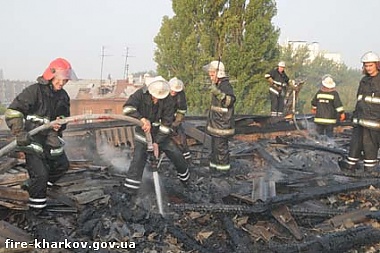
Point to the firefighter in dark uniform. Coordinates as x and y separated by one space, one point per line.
221 122
326 105
150 104
179 108
366 117
278 82
37 104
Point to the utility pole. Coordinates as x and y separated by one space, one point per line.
126 65
101 66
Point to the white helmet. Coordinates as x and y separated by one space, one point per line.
216 66
159 88
328 82
370 57
176 84
281 64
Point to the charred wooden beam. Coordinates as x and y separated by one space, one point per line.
340 241
337 151
355 216
284 217
188 242
238 239
197 134
286 199
307 212
319 192
220 208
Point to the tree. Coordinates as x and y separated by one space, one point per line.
238 32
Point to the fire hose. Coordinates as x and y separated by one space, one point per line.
80 118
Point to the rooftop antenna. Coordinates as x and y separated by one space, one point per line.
126 65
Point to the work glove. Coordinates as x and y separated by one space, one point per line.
313 110
342 116
216 92
23 138
176 124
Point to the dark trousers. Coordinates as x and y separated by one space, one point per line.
371 138
140 155
42 170
356 143
277 104
220 155
181 140
327 130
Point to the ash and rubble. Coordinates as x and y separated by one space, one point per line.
284 193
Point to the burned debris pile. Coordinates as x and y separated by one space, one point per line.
284 193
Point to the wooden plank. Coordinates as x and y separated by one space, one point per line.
7 230
89 196
9 163
285 218
197 134
15 205
11 179
10 193
356 216
58 195
91 185
116 137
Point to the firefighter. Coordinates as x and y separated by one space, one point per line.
179 107
37 104
278 82
151 106
326 105
366 117
221 122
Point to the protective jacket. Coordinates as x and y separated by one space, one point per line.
328 105
367 113
46 160
280 82
277 90
178 106
367 116
140 105
221 123
221 120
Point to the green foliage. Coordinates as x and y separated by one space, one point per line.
241 34
237 32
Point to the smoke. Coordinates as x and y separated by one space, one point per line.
117 158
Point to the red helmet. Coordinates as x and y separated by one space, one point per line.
59 68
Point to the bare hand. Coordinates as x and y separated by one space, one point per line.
156 150
56 126
146 125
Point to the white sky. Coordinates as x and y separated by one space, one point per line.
34 32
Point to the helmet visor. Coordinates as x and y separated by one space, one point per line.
68 74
